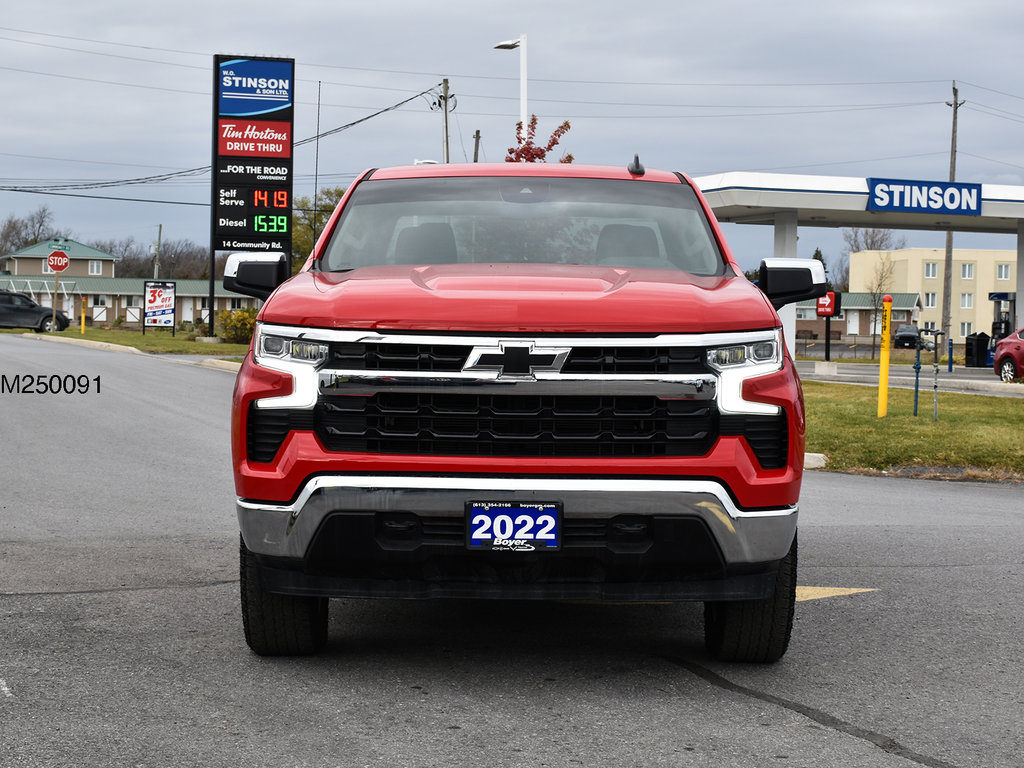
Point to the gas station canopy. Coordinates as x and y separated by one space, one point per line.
788 201
841 201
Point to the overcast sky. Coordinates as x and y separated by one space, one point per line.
112 90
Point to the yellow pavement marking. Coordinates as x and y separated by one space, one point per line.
818 593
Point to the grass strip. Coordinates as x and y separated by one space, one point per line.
156 340
979 435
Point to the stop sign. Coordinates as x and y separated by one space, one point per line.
58 261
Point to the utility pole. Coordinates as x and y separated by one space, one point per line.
476 146
446 102
947 278
156 253
444 96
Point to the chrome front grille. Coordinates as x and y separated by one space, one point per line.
434 358
511 396
516 425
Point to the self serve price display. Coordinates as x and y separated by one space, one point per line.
252 147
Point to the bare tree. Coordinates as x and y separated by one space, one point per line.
858 239
12 235
21 232
878 287
182 258
39 225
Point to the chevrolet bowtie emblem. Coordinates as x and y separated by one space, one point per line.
517 360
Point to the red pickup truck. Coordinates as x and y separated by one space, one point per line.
520 381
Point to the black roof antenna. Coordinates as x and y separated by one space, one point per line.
635 168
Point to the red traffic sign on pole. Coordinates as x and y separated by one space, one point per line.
58 261
827 304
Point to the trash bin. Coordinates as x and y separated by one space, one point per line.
976 350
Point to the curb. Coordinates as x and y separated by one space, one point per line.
85 343
815 461
220 365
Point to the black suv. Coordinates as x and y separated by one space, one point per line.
19 311
910 336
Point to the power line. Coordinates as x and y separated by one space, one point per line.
100 53
75 160
874 83
145 86
829 110
993 90
176 175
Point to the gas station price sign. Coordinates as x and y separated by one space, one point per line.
252 149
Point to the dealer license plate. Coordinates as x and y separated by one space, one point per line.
512 526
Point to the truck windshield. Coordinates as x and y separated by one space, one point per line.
606 222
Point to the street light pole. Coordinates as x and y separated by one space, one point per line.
510 45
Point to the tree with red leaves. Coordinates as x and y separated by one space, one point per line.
528 151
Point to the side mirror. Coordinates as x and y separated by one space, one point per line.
256 274
785 281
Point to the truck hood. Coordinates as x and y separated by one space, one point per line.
527 298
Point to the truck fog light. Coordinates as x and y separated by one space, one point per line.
308 351
726 356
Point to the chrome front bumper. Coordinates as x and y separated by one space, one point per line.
286 530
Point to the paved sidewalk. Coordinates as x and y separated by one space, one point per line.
965 380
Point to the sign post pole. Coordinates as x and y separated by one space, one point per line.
883 371
827 306
57 261
53 302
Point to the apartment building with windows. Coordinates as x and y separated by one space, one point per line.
976 274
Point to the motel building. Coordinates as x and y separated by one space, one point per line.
108 299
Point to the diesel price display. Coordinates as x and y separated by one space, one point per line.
244 212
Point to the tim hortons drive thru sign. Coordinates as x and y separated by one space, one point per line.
828 305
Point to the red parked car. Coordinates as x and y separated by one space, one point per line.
1009 356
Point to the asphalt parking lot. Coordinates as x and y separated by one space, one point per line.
121 644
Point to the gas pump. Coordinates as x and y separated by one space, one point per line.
1004 310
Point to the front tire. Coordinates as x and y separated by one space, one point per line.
1007 370
754 630
279 625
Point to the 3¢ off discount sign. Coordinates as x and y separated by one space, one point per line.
159 304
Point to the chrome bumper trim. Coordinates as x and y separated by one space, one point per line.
743 536
514 484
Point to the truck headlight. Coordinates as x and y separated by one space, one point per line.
294 350
735 363
758 353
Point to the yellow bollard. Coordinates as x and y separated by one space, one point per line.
883 370
83 316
